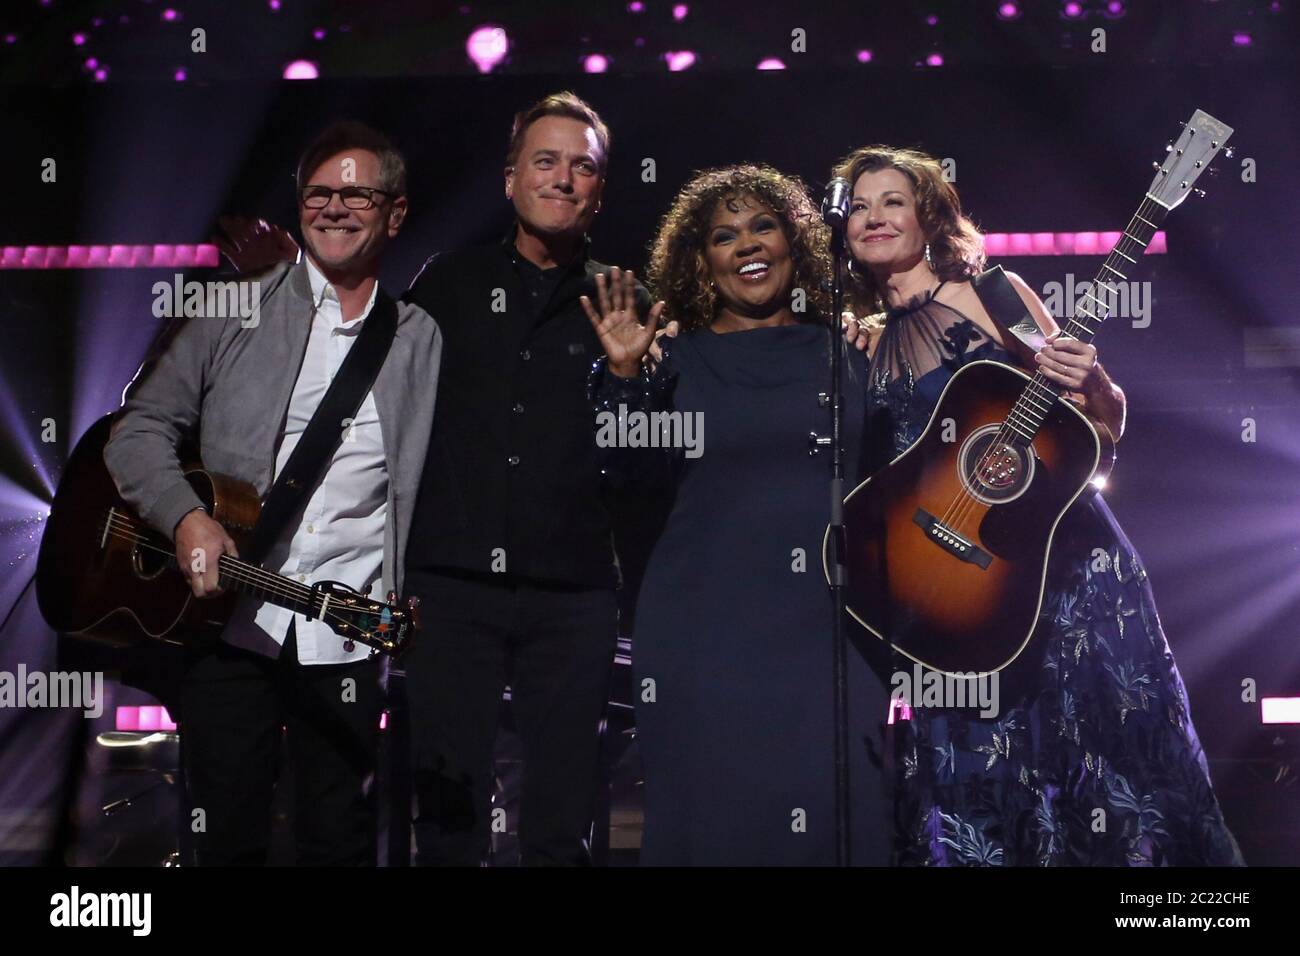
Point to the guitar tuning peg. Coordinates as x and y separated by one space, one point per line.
1199 192
1154 164
1169 147
1228 151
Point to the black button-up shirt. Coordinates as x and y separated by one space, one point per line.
512 481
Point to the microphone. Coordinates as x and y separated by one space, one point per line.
835 205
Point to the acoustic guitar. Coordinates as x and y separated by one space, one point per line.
103 574
946 548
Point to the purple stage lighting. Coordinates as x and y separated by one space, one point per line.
1242 38
865 56
932 20
169 15
1072 10
595 63
679 11
91 63
301 70
636 6
679 60
273 4
11 38
1009 11
318 33
934 59
180 75
78 39
487 46
771 63
101 74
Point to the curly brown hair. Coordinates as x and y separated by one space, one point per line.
956 245
678 271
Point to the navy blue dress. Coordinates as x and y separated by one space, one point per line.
1094 760
732 650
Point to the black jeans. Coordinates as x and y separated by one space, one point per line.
555 647
236 708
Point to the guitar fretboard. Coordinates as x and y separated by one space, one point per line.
269 586
1031 408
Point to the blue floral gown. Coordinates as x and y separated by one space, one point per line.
1093 759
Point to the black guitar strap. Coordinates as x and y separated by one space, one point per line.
325 431
1006 308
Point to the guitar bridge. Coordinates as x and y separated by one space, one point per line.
951 541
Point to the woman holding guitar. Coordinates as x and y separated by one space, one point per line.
1093 726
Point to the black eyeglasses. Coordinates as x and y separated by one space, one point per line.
354 197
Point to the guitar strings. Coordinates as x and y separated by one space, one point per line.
964 503
959 510
236 576
278 585
122 528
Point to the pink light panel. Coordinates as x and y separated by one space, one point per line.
1279 710
148 718
156 256
1061 243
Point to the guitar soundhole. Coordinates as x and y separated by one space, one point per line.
995 468
149 559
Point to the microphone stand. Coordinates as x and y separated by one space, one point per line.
835 557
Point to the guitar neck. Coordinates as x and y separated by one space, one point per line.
1123 259
1031 409
275 588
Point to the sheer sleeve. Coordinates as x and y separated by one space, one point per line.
615 399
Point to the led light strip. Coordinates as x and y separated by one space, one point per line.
205 255
156 256
1279 710
998 244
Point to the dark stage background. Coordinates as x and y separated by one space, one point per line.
1064 147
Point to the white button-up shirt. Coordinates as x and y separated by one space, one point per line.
341 535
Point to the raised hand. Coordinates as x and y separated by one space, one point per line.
625 340
253 245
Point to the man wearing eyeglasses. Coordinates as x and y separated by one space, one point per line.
248 394
511 546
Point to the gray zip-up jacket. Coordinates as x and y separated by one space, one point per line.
230 386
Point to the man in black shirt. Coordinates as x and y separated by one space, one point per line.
510 547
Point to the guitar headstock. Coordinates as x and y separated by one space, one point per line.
387 627
1202 138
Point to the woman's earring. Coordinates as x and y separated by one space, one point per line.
928 261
